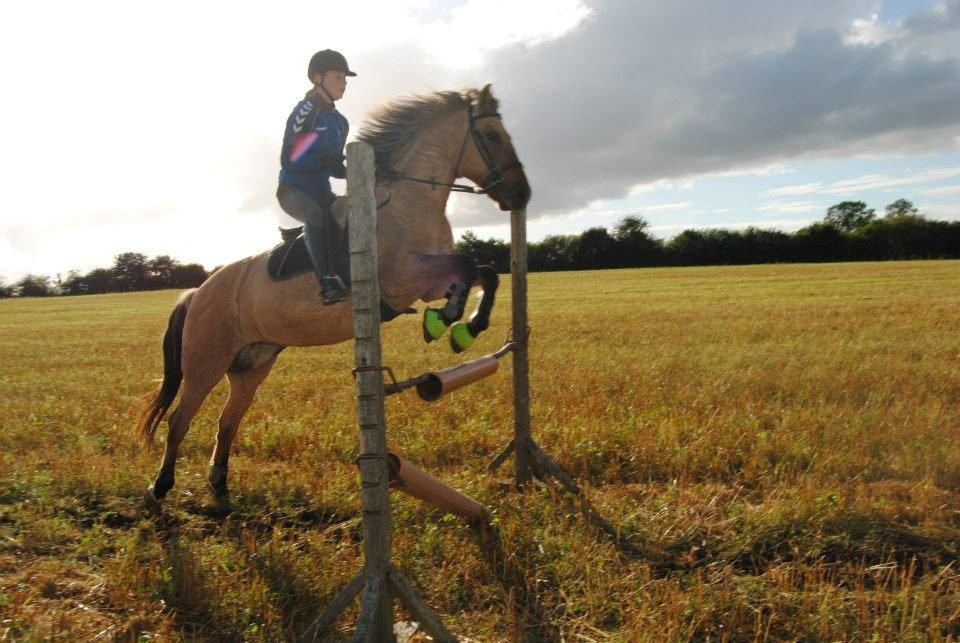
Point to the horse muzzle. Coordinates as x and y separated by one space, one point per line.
514 198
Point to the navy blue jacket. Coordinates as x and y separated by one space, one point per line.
313 147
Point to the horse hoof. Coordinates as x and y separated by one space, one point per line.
434 326
460 337
221 507
151 502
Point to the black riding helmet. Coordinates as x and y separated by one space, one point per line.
327 60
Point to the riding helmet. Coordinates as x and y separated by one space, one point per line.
327 60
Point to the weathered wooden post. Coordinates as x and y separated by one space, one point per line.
378 580
376 612
521 369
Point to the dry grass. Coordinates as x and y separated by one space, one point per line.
780 444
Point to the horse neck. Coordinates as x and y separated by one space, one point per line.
433 155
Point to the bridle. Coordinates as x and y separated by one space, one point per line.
495 176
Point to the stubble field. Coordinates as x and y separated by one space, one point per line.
777 446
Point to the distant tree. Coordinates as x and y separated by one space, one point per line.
820 242
689 248
491 252
99 280
769 246
5 290
189 275
900 208
849 215
596 249
34 286
556 252
74 284
159 271
634 246
130 271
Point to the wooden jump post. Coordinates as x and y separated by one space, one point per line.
378 580
529 459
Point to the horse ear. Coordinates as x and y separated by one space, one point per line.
486 101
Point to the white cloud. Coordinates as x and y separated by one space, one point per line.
479 26
947 211
879 181
949 190
664 207
870 31
794 190
790 207
662 184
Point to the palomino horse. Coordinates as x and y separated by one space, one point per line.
239 320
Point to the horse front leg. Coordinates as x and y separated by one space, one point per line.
462 335
453 275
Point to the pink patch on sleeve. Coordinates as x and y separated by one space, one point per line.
301 144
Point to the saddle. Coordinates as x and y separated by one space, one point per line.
290 258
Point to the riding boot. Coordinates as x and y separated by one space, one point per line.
332 288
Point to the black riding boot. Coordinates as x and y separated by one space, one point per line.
332 288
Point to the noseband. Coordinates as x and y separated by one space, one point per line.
495 175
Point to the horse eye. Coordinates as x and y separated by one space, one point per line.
492 136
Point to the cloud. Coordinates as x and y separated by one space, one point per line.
946 211
948 190
791 207
794 190
879 181
622 100
664 207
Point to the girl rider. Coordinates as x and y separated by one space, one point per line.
313 152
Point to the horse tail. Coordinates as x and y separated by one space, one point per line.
158 402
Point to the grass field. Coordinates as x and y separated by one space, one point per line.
779 445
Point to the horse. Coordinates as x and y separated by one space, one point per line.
239 320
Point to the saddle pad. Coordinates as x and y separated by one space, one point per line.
289 259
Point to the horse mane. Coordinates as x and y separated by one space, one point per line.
395 123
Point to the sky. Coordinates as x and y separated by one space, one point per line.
156 127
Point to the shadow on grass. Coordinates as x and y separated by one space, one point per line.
183 587
521 596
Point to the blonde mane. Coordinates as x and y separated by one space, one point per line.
395 123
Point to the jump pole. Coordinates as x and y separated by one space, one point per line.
379 580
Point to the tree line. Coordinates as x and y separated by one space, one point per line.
850 231
130 271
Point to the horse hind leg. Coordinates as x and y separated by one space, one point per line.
460 273
249 369
194 392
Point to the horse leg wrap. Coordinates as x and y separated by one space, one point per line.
218 480
461 337
437 320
